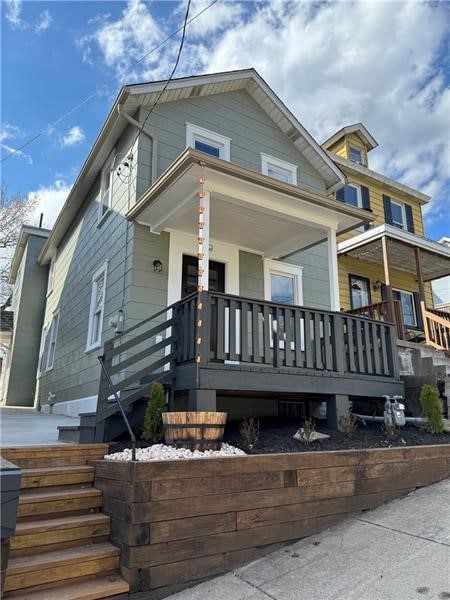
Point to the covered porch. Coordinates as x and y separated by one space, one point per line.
425 260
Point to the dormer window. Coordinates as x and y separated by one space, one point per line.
207 141
356 155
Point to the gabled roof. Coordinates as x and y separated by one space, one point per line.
359 130
131 97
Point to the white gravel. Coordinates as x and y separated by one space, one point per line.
163 452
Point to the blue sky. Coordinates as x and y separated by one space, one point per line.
383 63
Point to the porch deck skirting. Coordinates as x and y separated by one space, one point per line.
177 522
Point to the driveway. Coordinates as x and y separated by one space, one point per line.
28 427
400 551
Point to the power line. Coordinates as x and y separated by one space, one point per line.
108 83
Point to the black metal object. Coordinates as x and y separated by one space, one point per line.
101 359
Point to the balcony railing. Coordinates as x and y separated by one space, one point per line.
379 311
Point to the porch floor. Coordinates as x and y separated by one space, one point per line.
29 427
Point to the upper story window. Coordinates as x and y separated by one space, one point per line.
278 169
352 195
51 276
356 155
106 185
398 214
207 141
97 308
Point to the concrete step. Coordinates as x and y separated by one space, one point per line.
77 434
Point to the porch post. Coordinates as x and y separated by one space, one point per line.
387 280
338 406
200 400
333 270
421 291
203 239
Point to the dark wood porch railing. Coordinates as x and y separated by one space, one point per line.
245 330
379 311
437 328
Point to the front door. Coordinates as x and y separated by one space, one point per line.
189 276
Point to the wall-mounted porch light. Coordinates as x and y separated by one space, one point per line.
377 285
157 266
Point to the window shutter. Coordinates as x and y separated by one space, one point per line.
387 209
365 199
418 310
383 292
340 195
409 218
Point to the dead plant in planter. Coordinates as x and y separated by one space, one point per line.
249 430
348 425
390 430
307 429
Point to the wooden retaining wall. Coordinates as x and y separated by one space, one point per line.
181 521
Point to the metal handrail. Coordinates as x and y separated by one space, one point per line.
101 359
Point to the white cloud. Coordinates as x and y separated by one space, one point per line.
11 132
13 15
74 136
50 200
45 20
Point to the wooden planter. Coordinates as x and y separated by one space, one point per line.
194 430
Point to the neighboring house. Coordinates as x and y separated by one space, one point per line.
441 287
385 267
22 321
263 224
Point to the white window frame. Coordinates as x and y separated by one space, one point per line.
41 367
51 275
413 304
276 164
402 208
99 274
53 336
361 152
358 194
106 174
196 133
287 270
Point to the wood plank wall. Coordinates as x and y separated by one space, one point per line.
177 522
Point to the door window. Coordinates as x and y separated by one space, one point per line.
407 301
359 291
189 276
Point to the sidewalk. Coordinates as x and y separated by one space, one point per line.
400 551
28 427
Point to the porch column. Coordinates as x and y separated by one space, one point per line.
333 271
202 400
387 279
203 238
338 406
421 290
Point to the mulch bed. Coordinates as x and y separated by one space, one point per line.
275 435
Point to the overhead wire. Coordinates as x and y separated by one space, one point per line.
108 83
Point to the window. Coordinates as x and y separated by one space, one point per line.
398 214
359 291
51 276
41 361
52 335
106 185
356 155
97 308
352 195
408 308
283 282
208 142
278 169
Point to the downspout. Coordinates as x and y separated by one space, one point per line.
151 136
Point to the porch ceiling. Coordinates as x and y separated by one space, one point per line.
435 257
247 209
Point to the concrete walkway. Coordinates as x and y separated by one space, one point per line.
28 427
400 551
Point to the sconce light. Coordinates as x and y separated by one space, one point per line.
157 266
377 285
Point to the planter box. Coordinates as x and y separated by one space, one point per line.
181 521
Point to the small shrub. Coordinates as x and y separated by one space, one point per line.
431 408
390 430
348 424
308 429
153 425
249 430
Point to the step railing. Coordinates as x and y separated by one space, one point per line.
437 328
244 330
380 311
